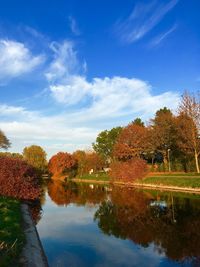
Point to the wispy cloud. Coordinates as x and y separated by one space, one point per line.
74 26
161 37
142 20
16 59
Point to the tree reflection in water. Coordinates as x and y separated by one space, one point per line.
170 221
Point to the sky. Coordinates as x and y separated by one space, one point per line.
70 69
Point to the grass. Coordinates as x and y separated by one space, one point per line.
96 177
191 180
188 180
11 233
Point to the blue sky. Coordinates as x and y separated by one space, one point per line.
69 69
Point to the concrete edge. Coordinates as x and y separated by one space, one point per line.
33 253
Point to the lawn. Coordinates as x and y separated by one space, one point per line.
96 177
191 180
11 233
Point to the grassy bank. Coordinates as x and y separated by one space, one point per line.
95 177
11 233
186 180
191 180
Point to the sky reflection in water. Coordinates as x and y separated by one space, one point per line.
86 225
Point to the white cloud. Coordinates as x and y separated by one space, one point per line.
161 37
16 59
142 20
64 63
74 26
99 104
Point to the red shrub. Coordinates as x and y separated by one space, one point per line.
18 179
129 170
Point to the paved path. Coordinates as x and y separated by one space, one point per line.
33 254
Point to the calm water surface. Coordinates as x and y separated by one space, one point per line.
90 225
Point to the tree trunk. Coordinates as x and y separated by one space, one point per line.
196 161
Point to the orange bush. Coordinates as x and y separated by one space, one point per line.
130 170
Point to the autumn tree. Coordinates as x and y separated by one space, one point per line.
189 125
105 142
81 158
163 134
35 156
62 163
131 142
11 155
4 142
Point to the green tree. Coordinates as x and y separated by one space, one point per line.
35 156
105 142
4 142
138 121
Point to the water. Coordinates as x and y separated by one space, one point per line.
90 225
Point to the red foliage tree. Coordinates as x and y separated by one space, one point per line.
18 179
62 163
129 170
131 142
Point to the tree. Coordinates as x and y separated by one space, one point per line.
4 142
11 155
105 142
189 129
62 163
81 158
35 156
163 133
131 142
138 121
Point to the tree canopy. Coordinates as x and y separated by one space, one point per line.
35 156
4 141
105 142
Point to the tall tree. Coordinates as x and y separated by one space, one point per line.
131 142
189 130
163 133
105 142
4 142
35 156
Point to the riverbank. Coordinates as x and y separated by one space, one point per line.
180 182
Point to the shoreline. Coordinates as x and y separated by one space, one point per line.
33 254
145 186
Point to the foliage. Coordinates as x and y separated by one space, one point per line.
105 142
35 156
129 170
12 236
163 132
4 142
87 161
18 179
189 126
138 121
131 142
62 164
11 155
